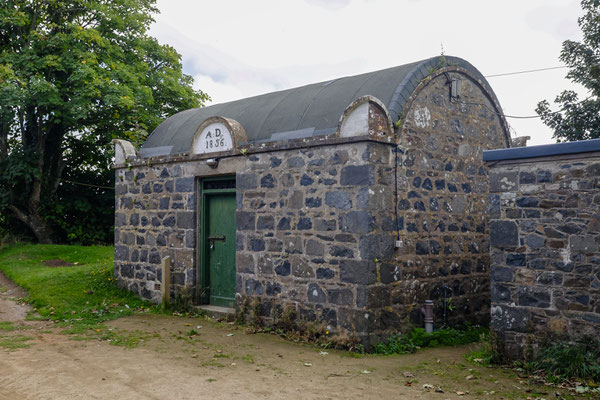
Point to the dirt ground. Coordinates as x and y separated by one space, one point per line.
221 361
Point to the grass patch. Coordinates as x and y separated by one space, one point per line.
7 326
418 338
481 356
129 339
15 342
116 337
563 361
484 354
80 296
213 363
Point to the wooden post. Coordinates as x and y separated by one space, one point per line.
165 287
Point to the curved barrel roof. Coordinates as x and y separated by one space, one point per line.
305 111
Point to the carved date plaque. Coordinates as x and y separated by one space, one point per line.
213 138
218 134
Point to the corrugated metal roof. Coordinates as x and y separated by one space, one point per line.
309 110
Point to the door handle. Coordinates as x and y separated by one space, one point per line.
211 240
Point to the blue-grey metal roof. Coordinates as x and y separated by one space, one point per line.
309 110
545 150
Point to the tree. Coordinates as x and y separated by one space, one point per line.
75 74
579 119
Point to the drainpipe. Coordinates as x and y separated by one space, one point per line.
427 313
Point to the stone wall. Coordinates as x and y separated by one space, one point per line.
154 218
331 226
544 251
311 225
317 219
442 203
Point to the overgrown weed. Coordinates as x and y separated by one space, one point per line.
562 361
417 338
289 325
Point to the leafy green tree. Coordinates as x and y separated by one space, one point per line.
74 74
579 119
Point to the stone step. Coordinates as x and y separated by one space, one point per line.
218 312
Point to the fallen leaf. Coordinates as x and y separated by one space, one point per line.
307 364
408 383
460 393
470 377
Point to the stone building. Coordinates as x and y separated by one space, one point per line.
544 231
351 201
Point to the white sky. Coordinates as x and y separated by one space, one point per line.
236 49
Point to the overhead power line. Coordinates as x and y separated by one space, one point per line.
526 72
518 73
87 184
516 116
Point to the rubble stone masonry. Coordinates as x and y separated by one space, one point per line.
545 265
317 224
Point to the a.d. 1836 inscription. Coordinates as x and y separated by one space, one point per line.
215 137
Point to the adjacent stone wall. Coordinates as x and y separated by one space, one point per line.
544 250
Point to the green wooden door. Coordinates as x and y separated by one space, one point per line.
220 248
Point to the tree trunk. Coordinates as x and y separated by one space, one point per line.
35 222
4 141
35 137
